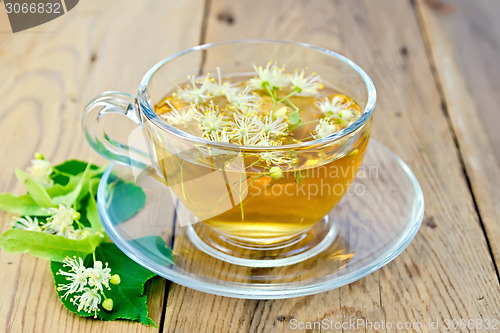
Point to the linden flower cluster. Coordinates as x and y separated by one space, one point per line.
86 284
62 220
338 113
257 112
231 113
40 170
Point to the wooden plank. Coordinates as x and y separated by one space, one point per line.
48 75
464 44
447 271
469 33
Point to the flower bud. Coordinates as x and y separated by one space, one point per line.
76 216
276 172
353 153
39 156
281 113
108 304
115 279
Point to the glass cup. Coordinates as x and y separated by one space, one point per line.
237 212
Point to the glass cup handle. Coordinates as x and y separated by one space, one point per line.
113 102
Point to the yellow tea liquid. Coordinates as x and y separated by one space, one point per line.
258 206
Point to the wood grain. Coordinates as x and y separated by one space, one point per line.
470 36
447 271
48 74
469 86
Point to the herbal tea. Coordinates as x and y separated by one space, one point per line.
260 191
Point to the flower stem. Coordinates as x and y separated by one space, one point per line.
181 166
288 96
254 179
306 122
241 209
272 94
252 164
290 104
240 195
81 226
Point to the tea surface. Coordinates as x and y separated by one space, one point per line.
270 109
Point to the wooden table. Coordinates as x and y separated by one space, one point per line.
435 66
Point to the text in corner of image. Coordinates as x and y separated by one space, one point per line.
26 14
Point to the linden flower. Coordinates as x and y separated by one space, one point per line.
222 136
63 213
246 111
98 276
220 88
27 223
324 129
305 86
274 127
40 171
176 117
88 301
333 108
243 99
211 121
87 281
61 221
82 233
272 156
271 76
194 94
60 230
277 158
77 276
345 117
245 130
265 141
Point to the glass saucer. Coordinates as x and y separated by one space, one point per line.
374 223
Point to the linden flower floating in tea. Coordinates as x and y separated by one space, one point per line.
270 109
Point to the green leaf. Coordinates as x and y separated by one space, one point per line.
294 118
51 247
91 212
125 200
76 193
35 190
156 247
129 299
22 205
58 190
63 172
74 167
